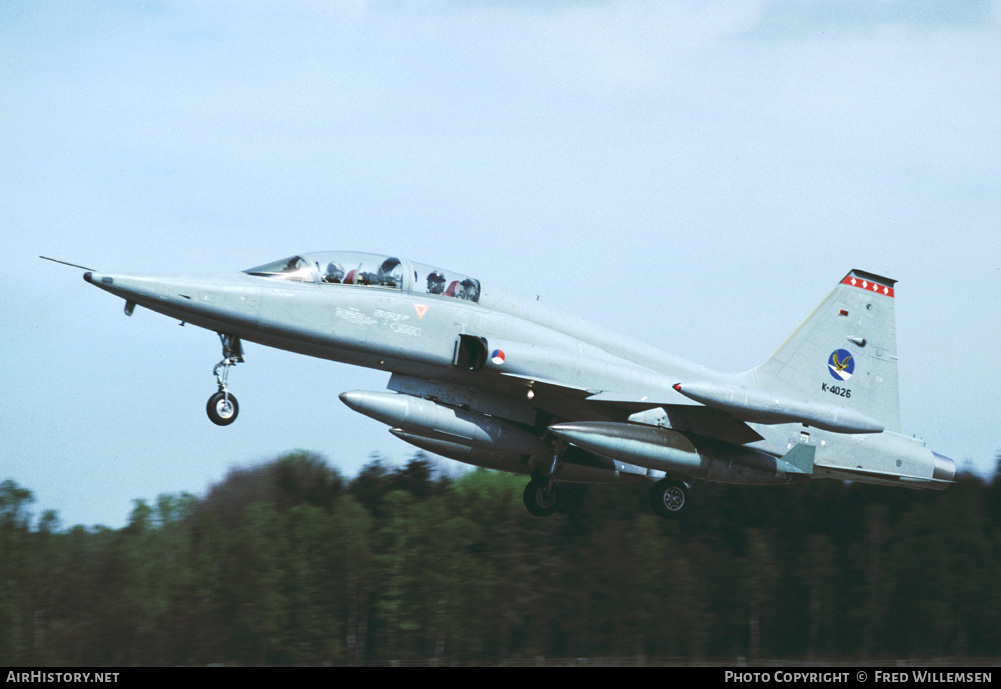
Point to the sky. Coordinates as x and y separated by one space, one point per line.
693 175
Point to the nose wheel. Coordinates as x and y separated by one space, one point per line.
222 407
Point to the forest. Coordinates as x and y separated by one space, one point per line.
290 563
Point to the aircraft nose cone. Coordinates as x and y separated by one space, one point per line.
98 279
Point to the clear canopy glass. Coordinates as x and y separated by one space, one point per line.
370 270
431 280
294 268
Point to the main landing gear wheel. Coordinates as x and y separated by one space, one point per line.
540 493
540 499
668 498
222 408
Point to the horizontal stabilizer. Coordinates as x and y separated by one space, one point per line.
760 407
942 479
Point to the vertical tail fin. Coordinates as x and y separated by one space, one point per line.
844 353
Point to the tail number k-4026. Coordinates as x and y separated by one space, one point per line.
836 390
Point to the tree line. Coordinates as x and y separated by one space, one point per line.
291 563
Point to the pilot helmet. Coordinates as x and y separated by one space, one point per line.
334 272
436 281
385 275
470 289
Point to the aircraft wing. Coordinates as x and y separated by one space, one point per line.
671 409
622 391
718 411
712 410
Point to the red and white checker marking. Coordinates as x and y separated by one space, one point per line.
867 285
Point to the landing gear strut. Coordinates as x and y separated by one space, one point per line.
222 407
668 498
540 494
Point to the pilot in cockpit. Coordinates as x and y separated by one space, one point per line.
334 273
386 276
436 282
469 290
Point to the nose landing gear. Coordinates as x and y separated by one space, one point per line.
222 407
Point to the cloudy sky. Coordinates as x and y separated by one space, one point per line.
695 175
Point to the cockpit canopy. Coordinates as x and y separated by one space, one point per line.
370 270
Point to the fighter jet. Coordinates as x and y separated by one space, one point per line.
481 377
